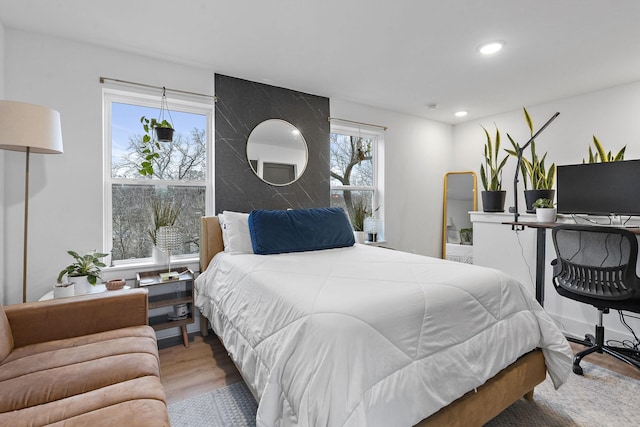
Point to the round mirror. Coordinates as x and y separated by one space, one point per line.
277 152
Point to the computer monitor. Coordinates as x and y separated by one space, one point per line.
599 188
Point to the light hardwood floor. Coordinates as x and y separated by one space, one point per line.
205 366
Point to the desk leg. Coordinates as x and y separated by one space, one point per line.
540 259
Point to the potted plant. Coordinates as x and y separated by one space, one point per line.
163 131
600 156
493 197
373 226
357 220
466 236
165 213
84 272
534 170
545 210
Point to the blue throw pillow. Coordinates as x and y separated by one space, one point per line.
280 231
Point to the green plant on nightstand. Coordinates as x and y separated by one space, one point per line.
88 265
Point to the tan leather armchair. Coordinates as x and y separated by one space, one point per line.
80 361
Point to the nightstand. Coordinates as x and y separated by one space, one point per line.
168 293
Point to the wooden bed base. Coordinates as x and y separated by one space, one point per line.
475 408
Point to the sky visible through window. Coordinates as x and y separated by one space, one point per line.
125 122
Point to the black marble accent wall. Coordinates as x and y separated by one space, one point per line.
241 106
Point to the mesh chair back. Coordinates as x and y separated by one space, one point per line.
597 262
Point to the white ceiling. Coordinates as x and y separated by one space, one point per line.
396 54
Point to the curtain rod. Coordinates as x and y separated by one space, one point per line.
103 79
357 123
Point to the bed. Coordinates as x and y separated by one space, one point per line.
366 336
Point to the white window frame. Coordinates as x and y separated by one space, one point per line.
378 165
136 98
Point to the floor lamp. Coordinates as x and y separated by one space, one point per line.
32 129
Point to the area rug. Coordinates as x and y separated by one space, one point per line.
599 398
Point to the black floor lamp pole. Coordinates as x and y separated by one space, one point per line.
26 225
519 152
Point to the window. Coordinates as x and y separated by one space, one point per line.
180 185
355 178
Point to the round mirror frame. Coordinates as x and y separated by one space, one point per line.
277 133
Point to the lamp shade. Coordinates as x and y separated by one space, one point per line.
168 238
25 125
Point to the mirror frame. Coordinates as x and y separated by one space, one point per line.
299 171
444 204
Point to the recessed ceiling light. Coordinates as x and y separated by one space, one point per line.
460 113
490 48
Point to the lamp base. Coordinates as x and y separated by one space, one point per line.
169 275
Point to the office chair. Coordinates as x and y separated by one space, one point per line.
597 265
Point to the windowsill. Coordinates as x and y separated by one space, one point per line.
130 269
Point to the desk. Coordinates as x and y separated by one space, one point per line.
541 228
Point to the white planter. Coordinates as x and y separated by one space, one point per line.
546 214
159 257
62 290
81 285
360 236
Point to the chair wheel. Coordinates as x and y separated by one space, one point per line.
577 369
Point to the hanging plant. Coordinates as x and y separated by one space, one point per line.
155 131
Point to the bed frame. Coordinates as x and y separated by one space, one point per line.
475 408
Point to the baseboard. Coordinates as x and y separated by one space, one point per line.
578 329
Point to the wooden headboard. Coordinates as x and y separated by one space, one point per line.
210 240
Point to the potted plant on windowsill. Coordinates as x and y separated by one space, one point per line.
534 171
84 272
165 213
359 214
493 197
545 210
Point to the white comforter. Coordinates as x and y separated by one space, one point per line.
364 336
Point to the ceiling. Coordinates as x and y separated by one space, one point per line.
400 55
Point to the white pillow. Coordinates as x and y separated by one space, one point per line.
236 228
225 235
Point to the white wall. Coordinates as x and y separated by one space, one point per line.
417 154
612 115
66 206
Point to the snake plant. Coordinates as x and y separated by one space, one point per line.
533 170
600 156
491 169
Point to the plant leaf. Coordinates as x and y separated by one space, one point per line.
600 149
527 118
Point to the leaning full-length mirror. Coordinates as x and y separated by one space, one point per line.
277 152
460 190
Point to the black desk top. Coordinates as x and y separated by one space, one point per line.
634 230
